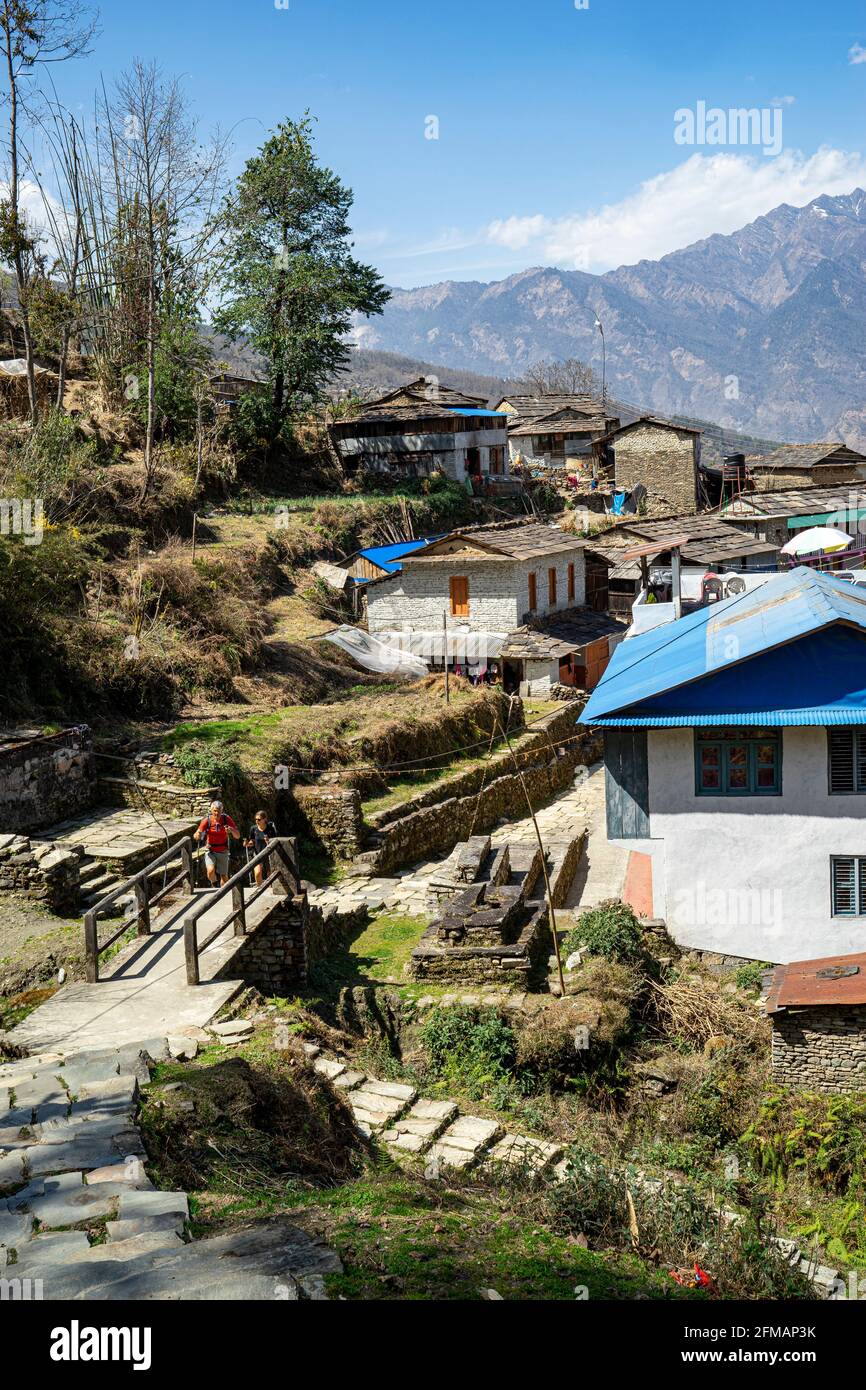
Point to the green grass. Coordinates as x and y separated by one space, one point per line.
400 1238
378 954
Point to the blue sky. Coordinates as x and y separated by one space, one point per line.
555 124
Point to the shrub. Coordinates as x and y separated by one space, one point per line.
822 1137
750 975
611 930
470 1049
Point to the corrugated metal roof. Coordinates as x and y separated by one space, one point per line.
827 980
746 655
772 718
387 556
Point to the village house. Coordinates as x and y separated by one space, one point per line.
422 428
556 429
661 455
707 545
817 1009
805 465
480 585
735 758
777 516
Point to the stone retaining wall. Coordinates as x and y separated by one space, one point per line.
46 778
38 870
175 802
437 829
822 1048
329 816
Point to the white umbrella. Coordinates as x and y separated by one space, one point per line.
816 540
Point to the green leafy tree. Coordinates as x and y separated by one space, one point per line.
292 282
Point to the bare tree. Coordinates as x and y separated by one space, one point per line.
160 196
33 35
571 377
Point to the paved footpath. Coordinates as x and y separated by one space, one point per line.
71 1155
600 875
395 1115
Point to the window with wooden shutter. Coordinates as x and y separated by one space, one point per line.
459 596
533 594
571 590
847 877
847 761
551 588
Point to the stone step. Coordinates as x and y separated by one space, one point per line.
520 1151
415 1131
464 1142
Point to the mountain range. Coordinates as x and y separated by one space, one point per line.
762 331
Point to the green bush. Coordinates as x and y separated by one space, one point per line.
822 1137
472 1050
610 930
749 976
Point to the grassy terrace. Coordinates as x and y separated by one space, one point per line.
402 789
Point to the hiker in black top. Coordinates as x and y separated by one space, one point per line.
262 831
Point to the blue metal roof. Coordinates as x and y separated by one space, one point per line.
462 410
790 652
388 557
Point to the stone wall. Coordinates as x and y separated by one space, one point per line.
174 802
38 870
46 778
664 460
277 956
820 1048
329 816
436 829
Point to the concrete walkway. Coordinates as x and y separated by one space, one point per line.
143 992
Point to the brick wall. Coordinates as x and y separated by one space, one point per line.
330 816
820 1049
663 460
40 871
46 779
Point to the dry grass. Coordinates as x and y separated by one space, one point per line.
696 1008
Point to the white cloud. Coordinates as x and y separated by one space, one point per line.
856 54
783 101
706 194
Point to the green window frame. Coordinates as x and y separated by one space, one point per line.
738 762
846 761
848 885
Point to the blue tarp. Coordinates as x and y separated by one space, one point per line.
462 410
792 651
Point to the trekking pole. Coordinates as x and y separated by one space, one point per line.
252 883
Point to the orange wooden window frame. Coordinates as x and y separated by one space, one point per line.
459 587
551 588
571 590
533 594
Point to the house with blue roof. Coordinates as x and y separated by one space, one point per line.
379 561
735 760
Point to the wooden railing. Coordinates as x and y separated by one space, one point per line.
285 877
145 899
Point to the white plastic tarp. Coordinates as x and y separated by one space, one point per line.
374 655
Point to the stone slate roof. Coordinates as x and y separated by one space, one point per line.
710 538
805 501
804 456
529 407
551 638
433 392
561 422
614 434
518 543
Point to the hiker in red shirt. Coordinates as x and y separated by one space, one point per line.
214 831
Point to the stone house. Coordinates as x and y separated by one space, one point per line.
45 777
422 428
664 457
736 766
482 583
555 430
807 465
778 515
818 1013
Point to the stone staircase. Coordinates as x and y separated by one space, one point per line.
71 1156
